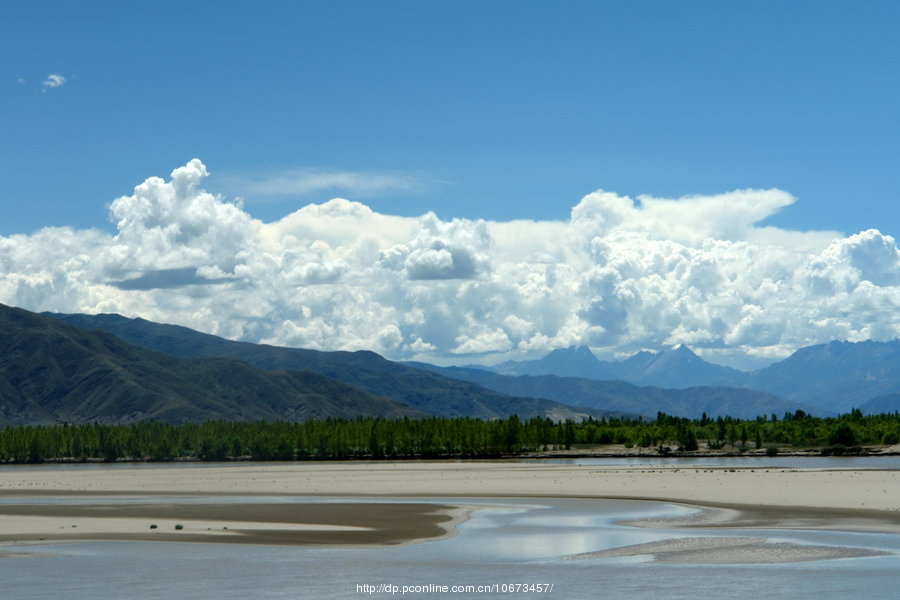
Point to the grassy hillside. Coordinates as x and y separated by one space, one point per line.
424 390
53 372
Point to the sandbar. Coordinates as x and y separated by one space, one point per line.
730 550
295 523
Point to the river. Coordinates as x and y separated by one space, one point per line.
506 542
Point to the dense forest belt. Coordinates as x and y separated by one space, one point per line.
372 438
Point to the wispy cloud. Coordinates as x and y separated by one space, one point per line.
54 81
309 181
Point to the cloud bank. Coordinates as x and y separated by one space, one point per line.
620 275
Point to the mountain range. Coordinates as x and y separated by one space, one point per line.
829 378
838 376
453 392
620 395
110 368
52 372
678 368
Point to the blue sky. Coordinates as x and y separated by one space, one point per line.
428 117
477 109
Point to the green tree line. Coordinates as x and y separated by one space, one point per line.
372 438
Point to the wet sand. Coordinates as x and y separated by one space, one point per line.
307 524
711 515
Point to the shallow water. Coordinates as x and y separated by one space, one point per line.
756 462
789 462
507 541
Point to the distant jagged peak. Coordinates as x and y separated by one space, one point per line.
680 354
683 352
572 351
572 361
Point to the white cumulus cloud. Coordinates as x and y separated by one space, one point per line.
620 275
438 250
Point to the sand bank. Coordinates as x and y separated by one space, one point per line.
869 489
354 524
730 550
